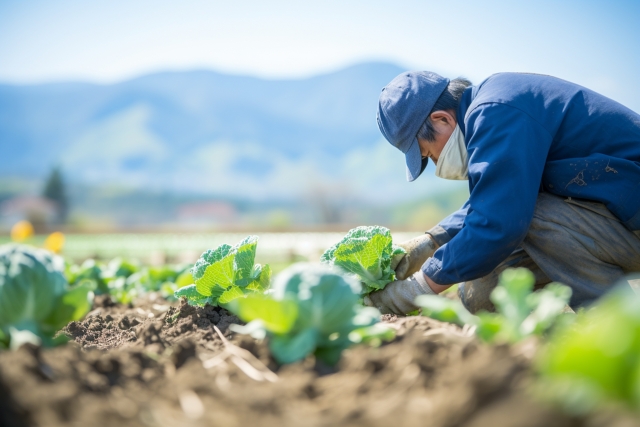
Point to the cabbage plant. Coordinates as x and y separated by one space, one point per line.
35 299
367 253
595 361
226 273
310 309
520 312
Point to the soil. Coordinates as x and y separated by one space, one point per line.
153 324
168 365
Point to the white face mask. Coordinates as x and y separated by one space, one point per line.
453 162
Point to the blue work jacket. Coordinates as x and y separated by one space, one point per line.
527 133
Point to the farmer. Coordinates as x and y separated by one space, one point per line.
554 181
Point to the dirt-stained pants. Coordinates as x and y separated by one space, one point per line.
578 243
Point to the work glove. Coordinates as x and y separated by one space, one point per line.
398 297
418 249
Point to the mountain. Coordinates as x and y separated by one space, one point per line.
204 132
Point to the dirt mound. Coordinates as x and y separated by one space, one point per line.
153 325
67 386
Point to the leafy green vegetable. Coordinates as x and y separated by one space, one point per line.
192 296
311 309
184 278
35 298
596 359
125 280
277 316
226 273
89 270
369 333
519 312
119 267
445 310
366 252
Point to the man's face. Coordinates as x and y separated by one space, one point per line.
444 123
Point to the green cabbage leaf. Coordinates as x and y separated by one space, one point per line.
366 253
36 300
310 309
226 273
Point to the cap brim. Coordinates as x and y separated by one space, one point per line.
415 163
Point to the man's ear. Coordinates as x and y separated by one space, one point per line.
443 117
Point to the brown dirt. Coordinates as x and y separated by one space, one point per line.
118 373
153 324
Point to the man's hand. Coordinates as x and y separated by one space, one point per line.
418 250
398 297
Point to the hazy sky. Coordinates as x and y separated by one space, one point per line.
594 43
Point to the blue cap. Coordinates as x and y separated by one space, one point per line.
403 107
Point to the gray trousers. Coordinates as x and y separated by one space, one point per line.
578 243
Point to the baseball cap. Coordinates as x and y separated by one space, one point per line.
403 107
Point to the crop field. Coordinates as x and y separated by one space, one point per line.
231 329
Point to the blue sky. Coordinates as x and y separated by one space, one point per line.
594 43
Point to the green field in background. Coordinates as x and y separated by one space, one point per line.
160 248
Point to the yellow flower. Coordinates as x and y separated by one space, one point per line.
54 242
21 231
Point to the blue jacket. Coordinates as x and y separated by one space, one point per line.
527 133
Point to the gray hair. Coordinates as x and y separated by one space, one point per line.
449 100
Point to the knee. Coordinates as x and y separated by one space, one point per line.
475 295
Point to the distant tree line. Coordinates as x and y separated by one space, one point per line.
55 191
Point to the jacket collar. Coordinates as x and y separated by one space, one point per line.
467 97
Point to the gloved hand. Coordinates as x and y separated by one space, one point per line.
398 297
418 249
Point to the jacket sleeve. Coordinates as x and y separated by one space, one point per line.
450 226
507 153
